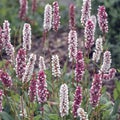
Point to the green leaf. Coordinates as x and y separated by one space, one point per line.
115 94
5 116
118 85
37 117
53 117
116 107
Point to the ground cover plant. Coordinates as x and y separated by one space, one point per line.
30 89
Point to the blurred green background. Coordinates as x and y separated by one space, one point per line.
9 11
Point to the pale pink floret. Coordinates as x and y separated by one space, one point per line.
95 90
102 19
80 66
89 33
72 17
42 92
56 16
86 11
27 36
20 63
47 18
72 45
77 101
64 101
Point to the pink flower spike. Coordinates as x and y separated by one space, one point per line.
29 68
98 49
6 33
56 16
95 90
77 101
89 34
42 92
9 49
42 63
102 19
23 8
27 36
64 102
72 45
34 5
80 66
86 11
6 79
82 114
1 40
32 92
106 62
20 63
72 17
55 66
110 75
47 18
1 98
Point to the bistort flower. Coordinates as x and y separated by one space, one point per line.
86 11
42 92
9 49
6 33
47 18
102 19
72 17
56 16
95 90
20 63
32 92
89 33
34 5
6 79
77 101
23 8
27 36
72 44
55 66
42 63
110 75
29 68
98 50
106 62
1 40
82 114
80 66
64 102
